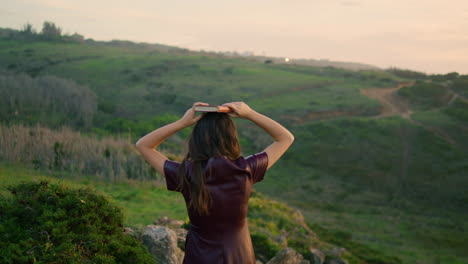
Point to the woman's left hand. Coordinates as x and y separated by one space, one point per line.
190 116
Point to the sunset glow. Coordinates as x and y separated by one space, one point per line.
430 36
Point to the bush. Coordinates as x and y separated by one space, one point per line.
360 253
50 31
46 99
51 223
458 110
425 95
408 74
264 248
461 87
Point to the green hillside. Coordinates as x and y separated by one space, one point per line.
136 81
144 202
395 182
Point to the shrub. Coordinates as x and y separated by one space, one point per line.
425 95
408 74
460 86
264 248
360 253
46 99
51 223
458 110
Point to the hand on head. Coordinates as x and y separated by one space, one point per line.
190 116
239 109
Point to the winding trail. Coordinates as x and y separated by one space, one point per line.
393 105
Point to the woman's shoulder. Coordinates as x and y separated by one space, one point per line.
244 162
257 158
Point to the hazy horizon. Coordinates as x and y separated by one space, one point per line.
425 36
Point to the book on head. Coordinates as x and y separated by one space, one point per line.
212 108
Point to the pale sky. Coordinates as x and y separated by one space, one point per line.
424 35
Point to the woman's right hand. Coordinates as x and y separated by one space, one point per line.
239 109
190 116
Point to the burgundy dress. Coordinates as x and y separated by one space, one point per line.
223 236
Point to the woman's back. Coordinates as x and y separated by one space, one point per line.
216 180
222 236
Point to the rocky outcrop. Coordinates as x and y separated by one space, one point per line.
161 242
165 241
171 223
336 252
282 239
317 255
176 226
288 256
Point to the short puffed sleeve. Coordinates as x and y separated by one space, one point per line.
258 164
171 169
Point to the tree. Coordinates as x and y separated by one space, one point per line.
50 31
28 29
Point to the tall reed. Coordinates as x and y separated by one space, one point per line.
110 158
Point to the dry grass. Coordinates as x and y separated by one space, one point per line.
109 158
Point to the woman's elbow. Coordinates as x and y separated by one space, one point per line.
290 138
138 145
287 138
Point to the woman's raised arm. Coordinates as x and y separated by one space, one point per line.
281 136
147 145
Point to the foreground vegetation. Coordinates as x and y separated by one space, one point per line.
43 222
137 204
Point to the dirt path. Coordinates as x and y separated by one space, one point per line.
392 105
388 97
455 96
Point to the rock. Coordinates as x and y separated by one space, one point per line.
176 226
129 231
171 223
181 235
258 262
282 239
288 256
132 232
161 242
336 252
318 257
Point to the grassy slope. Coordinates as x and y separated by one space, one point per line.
349 174
366 185
144 202
123 76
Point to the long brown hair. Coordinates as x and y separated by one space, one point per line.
215 134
